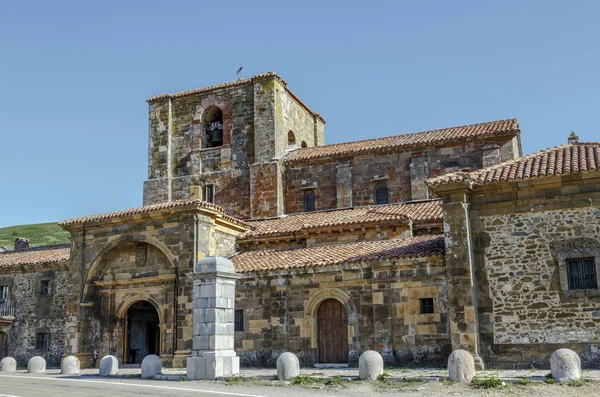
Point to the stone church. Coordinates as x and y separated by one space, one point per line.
412 245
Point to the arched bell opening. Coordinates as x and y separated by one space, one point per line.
213 126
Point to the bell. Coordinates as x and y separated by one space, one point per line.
217 137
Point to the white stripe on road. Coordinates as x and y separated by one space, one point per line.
223 393
7 395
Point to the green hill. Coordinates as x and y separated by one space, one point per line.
38 234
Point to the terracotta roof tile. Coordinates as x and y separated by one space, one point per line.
192 204
235 83
365 251
407 141
35 256
421 212
571 158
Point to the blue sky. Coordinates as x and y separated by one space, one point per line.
74 77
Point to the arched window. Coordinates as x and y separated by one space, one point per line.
304 145
291 138
309 201
381 194
213 125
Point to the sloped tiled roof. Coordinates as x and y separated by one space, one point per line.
422 212
35 256
192 204
409 141
235 83
365 251
571 158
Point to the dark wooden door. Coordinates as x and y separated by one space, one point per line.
333 332
3 345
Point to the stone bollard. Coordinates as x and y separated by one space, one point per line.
461 366
370 365
109 365
288 366
565 365
8 364
36 365
69 366
151 366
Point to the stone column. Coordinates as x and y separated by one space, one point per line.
344 185
214 296
464 326
419 172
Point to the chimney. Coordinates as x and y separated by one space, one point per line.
21 244
573 138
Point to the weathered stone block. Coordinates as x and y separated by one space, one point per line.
565 365
151 366
109 365
8 364
461 366
288 366
70 366
370 365
36 365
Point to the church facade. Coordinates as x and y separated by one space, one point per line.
412 245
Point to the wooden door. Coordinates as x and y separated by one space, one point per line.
3 345
333 332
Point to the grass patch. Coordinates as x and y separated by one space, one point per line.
576 383
38 234
307 380
413 380
550 381
381 377
335 381
488 383
234 380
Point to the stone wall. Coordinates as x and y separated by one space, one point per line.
139 257
404 177
531 305
179 155
510 241
382 302
35 313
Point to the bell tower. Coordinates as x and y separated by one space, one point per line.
224 144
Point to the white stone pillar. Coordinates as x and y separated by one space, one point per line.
214 297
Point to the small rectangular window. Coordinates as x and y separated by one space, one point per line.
45 287
309 201
239 320
41 342
426 305
581 273
3 292
209 193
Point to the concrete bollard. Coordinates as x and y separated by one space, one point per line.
565 365
36 365
151 366
69 366
8 364
370 365
109 365
288 366
461 366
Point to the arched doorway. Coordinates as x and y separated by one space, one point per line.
3 345
332 320
142 332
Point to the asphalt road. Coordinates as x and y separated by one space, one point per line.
25 385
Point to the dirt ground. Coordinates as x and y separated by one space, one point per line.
442 389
